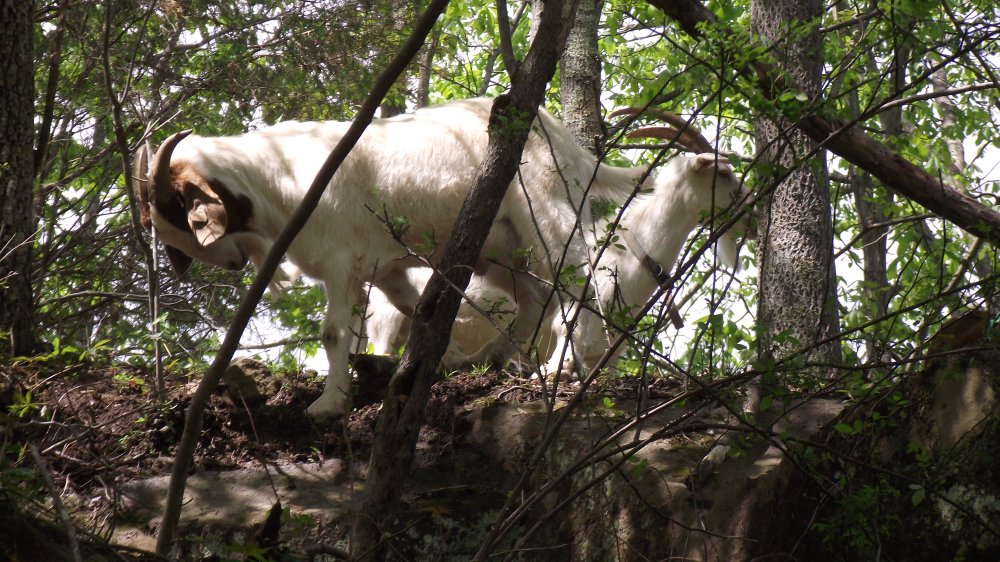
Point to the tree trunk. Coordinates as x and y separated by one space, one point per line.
983 265
869 202
580 78
797 304
425 65
946 107
17 214
406 398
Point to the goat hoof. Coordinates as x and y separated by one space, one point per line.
706 469
325 411
563 376
701 475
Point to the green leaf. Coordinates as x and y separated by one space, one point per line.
919 494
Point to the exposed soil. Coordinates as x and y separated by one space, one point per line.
97 426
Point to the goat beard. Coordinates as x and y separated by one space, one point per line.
728 252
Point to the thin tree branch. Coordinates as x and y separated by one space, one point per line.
978 87
876 226
52 84
148 252
279 343
506 47
67 521
195 412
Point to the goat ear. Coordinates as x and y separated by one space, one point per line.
180 261
206 214
705 161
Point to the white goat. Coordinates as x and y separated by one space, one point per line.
223 200
654 229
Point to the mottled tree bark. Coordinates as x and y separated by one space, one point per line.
17 214
580 78
797 303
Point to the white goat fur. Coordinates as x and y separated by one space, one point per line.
660 223
385 328
419 166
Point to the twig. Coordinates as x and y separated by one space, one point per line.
933 95
892 222
503 392
74 544
148 252
280 343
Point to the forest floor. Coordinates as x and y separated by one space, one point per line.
98 428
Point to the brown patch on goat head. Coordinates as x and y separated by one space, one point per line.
205 210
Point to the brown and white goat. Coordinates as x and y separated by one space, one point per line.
653 229
223 200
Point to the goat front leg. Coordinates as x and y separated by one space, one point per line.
336 398
580 340
563 357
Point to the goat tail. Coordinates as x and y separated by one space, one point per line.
614 183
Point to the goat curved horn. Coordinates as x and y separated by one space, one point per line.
159 169
683 138
140 177
140 171
687 135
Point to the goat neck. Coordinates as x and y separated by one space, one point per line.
683 194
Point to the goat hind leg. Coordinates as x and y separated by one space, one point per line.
530 325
